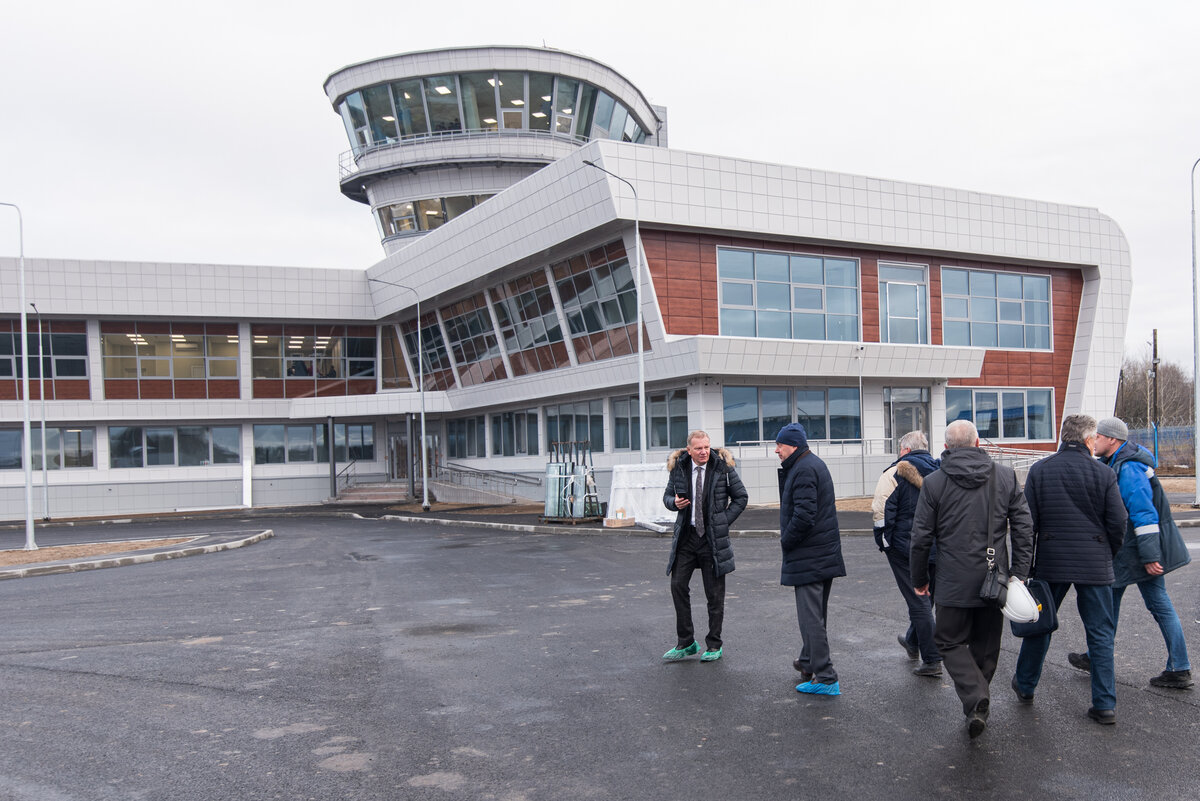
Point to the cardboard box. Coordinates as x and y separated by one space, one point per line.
619 522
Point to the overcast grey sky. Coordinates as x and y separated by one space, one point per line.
199 132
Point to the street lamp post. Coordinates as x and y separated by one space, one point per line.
42 394
641 358
421 382
30 543
1195 346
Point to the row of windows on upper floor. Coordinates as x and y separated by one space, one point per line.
799 296
188 445
485 101
763 294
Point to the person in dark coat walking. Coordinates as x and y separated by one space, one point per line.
956 510
1079 521
707 495
812 553
1152 548
894 503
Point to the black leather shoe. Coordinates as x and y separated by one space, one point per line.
977 721
912 651
1080 662
1105 717
804 674
928 669
1024 698
1173 679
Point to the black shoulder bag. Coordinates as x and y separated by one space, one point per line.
994 591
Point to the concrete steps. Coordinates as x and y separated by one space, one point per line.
372 493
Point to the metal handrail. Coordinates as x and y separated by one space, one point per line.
825 447
1017 458
501 475
347 475
348 161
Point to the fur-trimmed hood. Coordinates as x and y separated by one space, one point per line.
716 453
908 471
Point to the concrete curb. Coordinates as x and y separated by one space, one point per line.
584 530
75 566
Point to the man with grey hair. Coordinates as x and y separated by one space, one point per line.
1153 547
963 509
892 507
1079 521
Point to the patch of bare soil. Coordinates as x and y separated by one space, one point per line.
56 553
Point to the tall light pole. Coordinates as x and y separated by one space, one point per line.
1195 346
641 358
30 543
42 393
421 382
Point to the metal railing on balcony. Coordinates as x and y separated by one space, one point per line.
348 161
757 449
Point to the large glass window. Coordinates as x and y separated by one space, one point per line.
599 298
309 443
436 360
1003 414
903 305
516 433
466 438
472 341
169 351
441 98
184 446
312 352
995 310
667 416
788 296
380 115
755 414
576 422
529 324
63 354
66 448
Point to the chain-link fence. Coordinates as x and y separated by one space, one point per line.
1176 447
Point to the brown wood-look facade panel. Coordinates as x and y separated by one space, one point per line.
683 267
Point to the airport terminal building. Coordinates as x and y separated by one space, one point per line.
502 181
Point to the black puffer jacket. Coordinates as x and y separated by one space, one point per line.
1078 517
808 524
911 470
952 510
724 500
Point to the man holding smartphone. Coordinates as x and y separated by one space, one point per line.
707 496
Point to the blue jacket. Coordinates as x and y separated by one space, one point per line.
1151 535
808 524
911 470
1078 517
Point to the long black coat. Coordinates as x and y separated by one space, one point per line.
1078 516
952 510
725 498
808 524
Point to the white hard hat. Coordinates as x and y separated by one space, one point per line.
1020 606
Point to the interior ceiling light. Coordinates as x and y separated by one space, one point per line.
432 212
442 90
518 102
491 81
546 98
389 119
538 114
407 96
564 111
490 121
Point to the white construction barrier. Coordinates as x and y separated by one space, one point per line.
637 490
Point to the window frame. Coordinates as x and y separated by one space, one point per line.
1050 426
952 298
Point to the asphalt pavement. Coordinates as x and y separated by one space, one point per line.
356 658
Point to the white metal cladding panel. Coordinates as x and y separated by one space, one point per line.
204 291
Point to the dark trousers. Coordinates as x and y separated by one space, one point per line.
920 608
969 640
690 555
812 614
